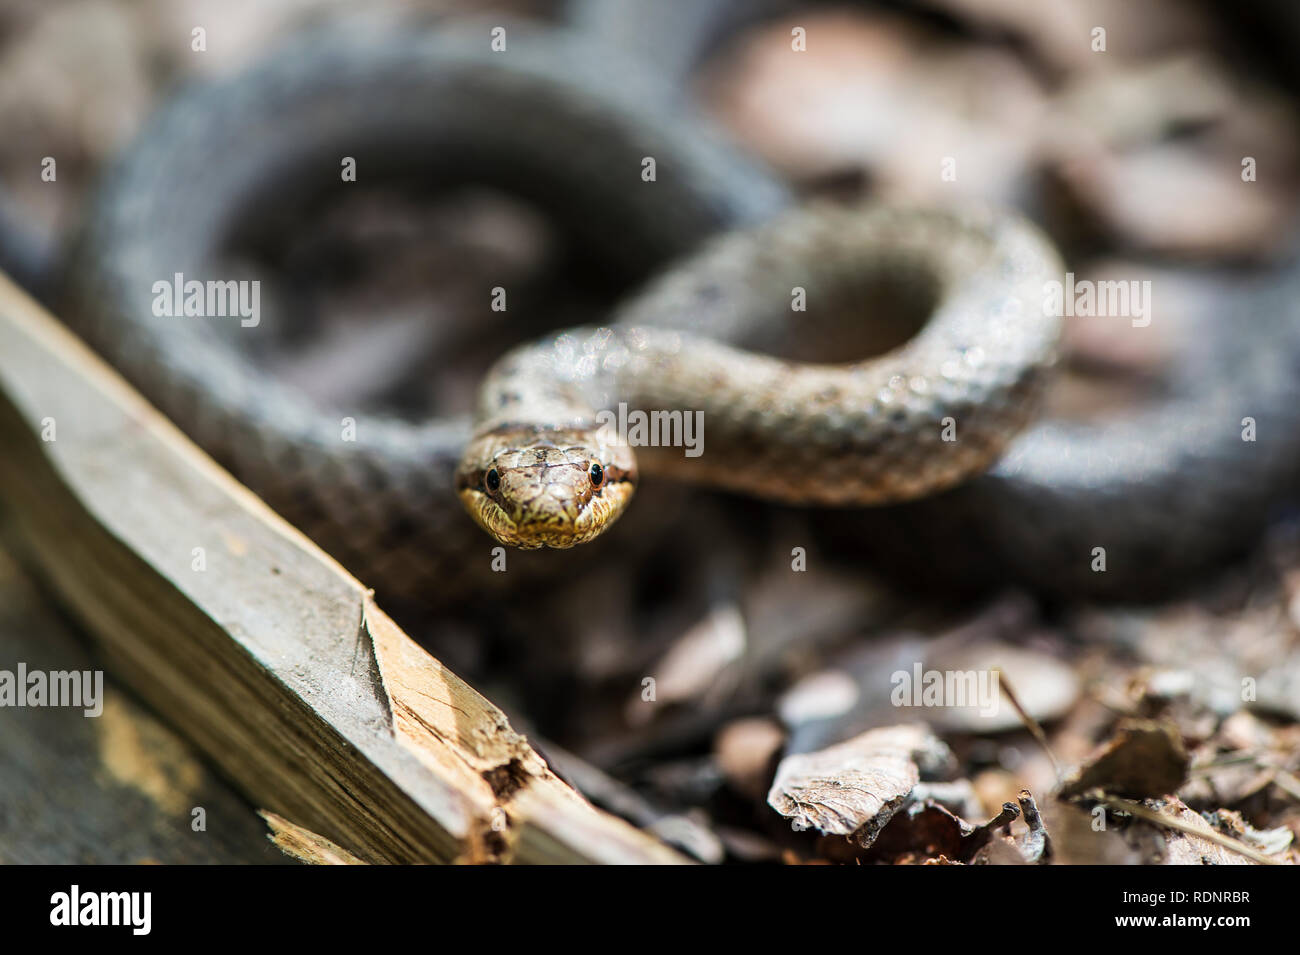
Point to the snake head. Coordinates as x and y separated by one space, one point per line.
533 486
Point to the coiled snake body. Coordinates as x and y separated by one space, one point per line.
870 432
551 120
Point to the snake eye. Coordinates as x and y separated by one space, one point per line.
493 480
597 474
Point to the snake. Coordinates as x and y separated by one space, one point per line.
543 470
1164 494
551 120
567 125
1167 492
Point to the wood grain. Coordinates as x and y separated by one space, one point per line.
266 653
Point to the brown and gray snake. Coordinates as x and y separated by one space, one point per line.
566 126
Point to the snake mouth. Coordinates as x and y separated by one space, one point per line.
534 527
531 487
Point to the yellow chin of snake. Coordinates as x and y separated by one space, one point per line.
538 528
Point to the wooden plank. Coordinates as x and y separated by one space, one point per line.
255 643
119 788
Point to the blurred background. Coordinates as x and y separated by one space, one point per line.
1130 156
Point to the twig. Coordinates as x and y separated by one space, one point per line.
1287 782
1037 845
981 835
1169 822
1234 759
1031 724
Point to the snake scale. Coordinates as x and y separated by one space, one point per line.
1168 490
550 120
566 126
868 432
